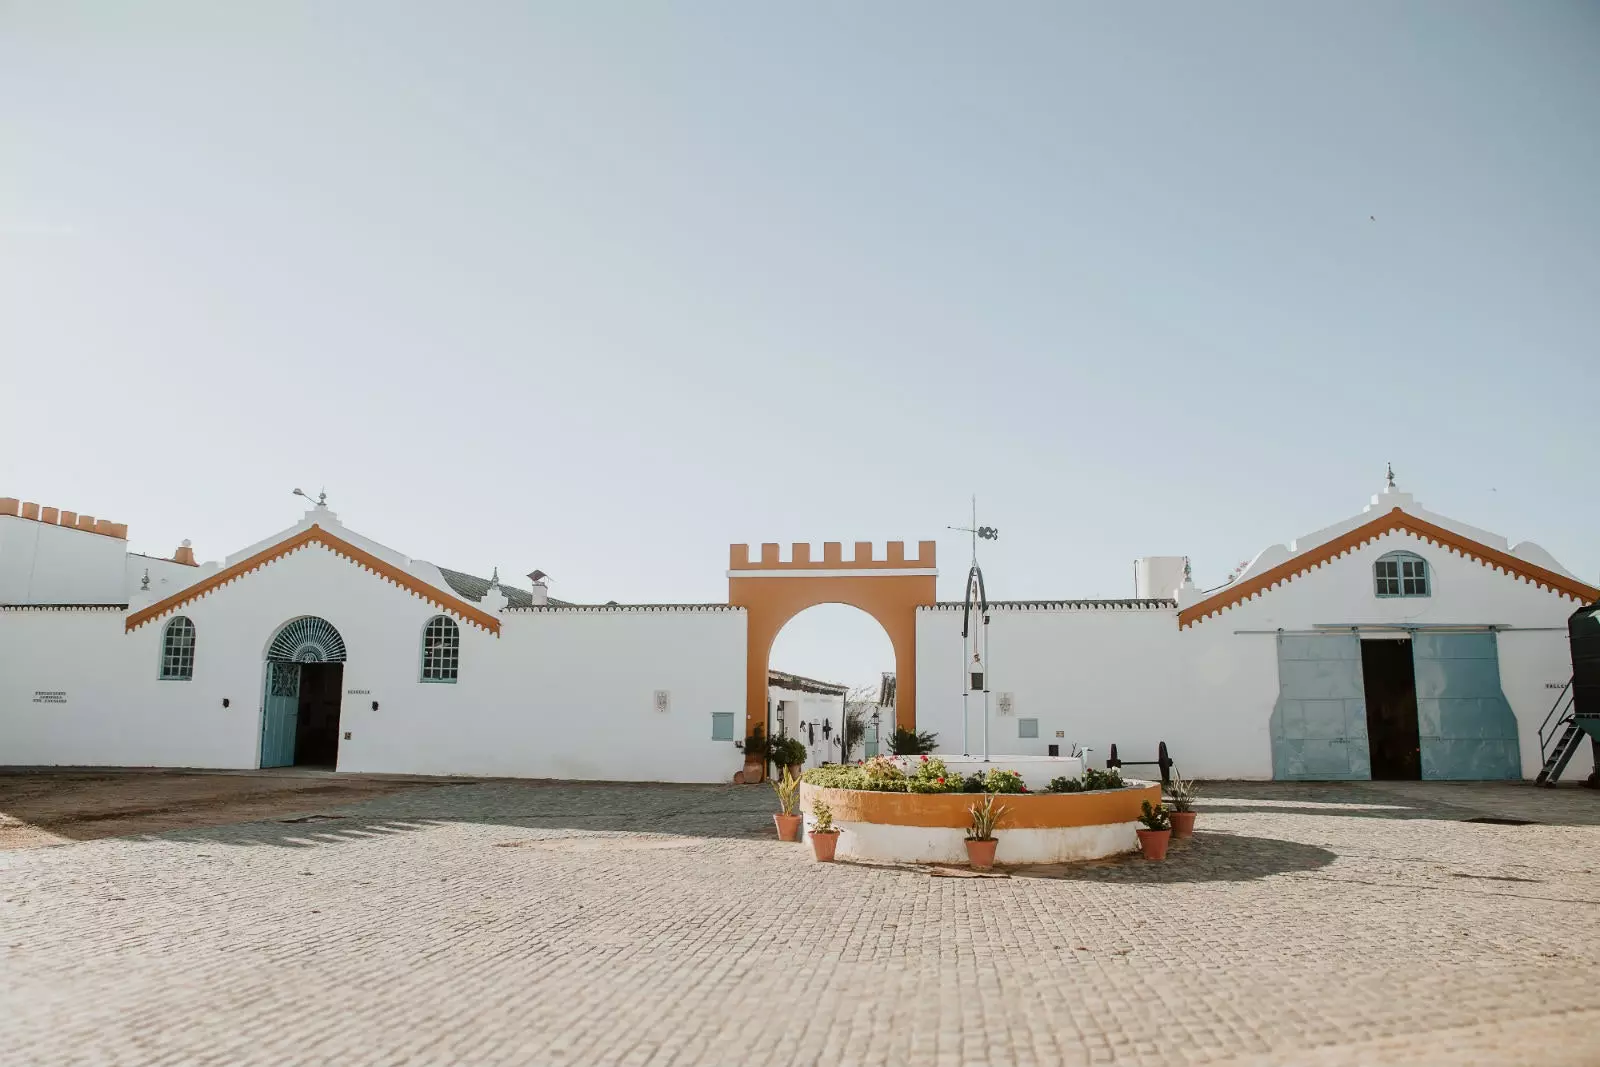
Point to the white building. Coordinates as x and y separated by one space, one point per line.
1396 643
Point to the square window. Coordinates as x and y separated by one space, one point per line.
722 726
1027 727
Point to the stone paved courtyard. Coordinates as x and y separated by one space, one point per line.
540 923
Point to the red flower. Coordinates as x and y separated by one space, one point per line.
924 759
941 781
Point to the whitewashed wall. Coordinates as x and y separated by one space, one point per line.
42 563
1130 676
561 693
564 693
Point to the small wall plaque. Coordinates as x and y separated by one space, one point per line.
663 700
1008 703
49 696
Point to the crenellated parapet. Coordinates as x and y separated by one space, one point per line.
862 559
27 509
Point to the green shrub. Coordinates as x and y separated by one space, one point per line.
834 776
1064 785
973 783
1000 781
881 771
1097 779
786 751
1154 818
910 743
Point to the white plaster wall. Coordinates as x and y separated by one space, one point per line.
1131 677
809 708
1099 676
166 577
566 694
42 563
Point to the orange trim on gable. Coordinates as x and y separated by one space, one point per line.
337 545
1388 522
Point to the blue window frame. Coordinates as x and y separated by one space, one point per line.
722 726
1401 574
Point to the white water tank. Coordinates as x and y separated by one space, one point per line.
1157 577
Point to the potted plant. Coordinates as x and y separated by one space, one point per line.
755 757
788 820
1182 814
787 753
1156 832
981 841
824 835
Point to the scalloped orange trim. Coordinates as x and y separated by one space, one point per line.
1388 522
340 547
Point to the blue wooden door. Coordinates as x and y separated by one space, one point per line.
280 709
1319 724
1465 727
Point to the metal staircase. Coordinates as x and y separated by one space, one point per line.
1559 737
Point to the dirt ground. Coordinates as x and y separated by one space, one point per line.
39 808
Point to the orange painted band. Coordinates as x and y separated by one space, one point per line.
1024 811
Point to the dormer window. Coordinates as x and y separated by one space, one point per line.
1401 574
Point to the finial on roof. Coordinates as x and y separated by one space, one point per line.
494 579
1188 575
1391 476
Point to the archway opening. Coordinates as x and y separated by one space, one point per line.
304 687
830 678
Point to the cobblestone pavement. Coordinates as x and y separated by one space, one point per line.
537 923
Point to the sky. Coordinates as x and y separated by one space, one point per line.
602 288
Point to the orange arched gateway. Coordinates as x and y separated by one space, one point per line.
773 592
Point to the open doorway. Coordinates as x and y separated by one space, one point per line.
1390 684
825 671
316 735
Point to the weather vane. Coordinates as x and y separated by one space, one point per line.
987 533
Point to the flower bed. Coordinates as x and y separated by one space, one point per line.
922 825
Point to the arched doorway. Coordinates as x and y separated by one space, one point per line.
773 591
831 662
303 689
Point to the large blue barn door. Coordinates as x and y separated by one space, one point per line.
280 709
1466 728
1319 724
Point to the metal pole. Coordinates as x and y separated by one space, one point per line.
988 681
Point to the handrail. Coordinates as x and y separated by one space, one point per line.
1544 727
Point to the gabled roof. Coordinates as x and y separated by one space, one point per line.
801 684
315 534
1387 522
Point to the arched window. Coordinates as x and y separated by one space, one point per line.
1401 574
441 650
177 650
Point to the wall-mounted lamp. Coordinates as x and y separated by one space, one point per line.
224 701
374 705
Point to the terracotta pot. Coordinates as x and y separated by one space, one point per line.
796 770
755 771
1154 843
788 827
1182 823
823 845
981 853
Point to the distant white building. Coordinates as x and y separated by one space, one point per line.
1395 643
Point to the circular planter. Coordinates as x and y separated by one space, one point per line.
1182 823
932 827
788 827
823 845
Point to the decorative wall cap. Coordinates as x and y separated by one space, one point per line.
1389 522
799 683
316 535
1134 604
27 509
832 557
64 607
556 609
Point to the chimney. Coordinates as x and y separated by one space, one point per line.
184 555
540 592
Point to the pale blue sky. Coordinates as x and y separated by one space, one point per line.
599 288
